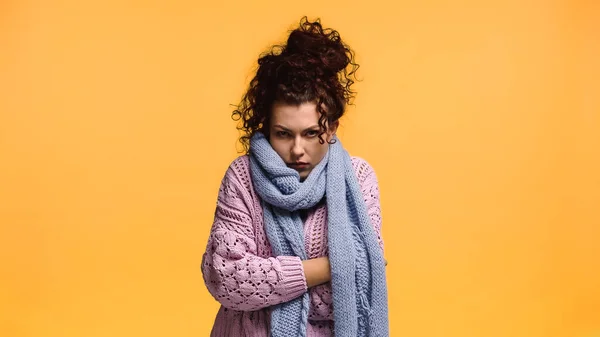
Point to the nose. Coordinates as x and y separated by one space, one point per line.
297 148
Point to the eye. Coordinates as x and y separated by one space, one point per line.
312 133
281 134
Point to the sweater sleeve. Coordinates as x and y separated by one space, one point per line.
370 190
233 273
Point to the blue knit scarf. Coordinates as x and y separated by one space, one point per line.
358 275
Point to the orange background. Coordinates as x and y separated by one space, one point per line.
481 119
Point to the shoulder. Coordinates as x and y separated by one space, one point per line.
239 164
238 172
236 188
363 170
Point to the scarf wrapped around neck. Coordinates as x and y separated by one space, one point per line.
357 275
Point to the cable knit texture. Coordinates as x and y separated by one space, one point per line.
242 272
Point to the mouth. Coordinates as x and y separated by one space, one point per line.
298 165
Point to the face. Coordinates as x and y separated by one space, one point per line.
294 134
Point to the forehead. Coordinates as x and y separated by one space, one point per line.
295 116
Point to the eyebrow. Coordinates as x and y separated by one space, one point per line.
286 129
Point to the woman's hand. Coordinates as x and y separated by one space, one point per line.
317 271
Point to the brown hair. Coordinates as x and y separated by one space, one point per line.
311 67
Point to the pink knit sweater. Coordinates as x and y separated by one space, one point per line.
240 270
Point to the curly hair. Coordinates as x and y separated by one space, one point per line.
313 66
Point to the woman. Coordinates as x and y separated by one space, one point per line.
295 247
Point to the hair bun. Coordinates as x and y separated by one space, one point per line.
318 45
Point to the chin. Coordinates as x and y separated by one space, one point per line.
304 174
